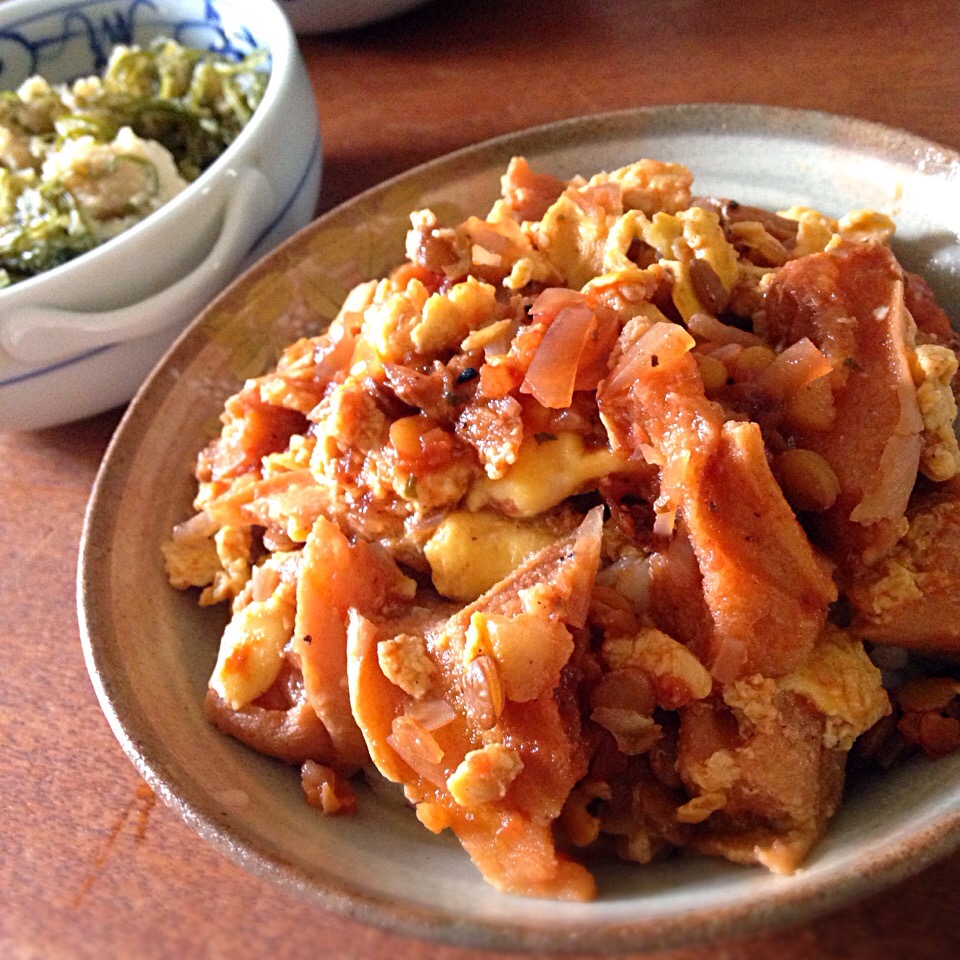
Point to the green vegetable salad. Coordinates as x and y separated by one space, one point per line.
81 163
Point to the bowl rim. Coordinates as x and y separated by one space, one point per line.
283 53
790 904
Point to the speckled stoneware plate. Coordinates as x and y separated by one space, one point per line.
150 649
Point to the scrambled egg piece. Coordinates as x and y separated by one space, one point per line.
898 584
499 331
546 473
575 240
917 567
715 775
866 226
190 564
842 683
219 563
650 185
692 234
406 664
502 243
622 233
233 550
530 269
676 673
817 232
449 317
389 320
583 240
814 230
936 367
484 775
251 649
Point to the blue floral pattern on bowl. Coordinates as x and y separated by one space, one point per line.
73 39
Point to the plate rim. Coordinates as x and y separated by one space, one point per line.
792 904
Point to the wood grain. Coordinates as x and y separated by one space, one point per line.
90 865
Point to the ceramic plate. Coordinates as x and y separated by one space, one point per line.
150 649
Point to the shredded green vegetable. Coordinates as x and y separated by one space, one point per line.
68 182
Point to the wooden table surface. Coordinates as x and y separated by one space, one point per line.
90 866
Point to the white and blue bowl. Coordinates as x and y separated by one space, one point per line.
81 338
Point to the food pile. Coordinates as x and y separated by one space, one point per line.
577 523
81 163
